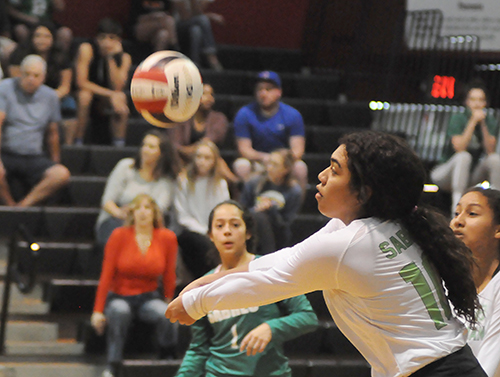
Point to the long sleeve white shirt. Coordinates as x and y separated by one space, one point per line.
368 272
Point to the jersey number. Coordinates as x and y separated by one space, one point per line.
411 273
234 340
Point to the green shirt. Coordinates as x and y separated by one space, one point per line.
457 125
216 338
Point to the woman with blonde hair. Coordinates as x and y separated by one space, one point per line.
200 188
135 257
275 198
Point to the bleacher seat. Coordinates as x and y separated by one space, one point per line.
136 128
313 111
318 87
149 368
71 295
352 114
259 59
69 223
226 82
318 304
11 217
324 139
305 225
316 162
340 367
75 158
56 258
86 191
103 158
335 343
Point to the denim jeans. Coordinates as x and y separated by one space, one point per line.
201 37
147 307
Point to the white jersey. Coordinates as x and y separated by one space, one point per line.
387 301
485 340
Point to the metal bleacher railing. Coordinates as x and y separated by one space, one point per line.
423 125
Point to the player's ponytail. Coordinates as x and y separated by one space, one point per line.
453 260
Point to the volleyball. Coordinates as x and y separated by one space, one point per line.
166 88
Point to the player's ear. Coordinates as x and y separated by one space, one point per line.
365 193
497 232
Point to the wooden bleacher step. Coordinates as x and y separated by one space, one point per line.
53 369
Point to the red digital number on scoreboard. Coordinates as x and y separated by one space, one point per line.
443 87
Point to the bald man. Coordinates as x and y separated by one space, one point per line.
29 115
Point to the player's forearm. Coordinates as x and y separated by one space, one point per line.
237 290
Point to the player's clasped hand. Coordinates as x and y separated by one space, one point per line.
176 313
257 340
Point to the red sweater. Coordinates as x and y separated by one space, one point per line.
127 271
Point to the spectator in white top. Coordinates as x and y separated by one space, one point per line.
200 189
153 171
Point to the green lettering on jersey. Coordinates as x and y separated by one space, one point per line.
397 244
404 238
385 248
412 274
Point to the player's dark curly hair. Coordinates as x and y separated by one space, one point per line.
389 178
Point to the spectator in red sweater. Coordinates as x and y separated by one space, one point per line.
135 257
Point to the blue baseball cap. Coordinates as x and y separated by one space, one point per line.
269 76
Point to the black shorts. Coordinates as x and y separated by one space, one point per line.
29 169
461 363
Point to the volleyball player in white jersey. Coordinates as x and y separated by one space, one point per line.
477 223
381 263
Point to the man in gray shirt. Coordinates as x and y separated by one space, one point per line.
29 114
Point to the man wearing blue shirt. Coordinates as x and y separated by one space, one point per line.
266 125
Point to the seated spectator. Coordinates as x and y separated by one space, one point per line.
152 24
206 124
249 343
200 188
275 199
153 171
266 125
476 222
59 70
7 45
29 115
25 14
136 256
102 70
470 157
193 26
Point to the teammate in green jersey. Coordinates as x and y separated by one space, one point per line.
247 341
